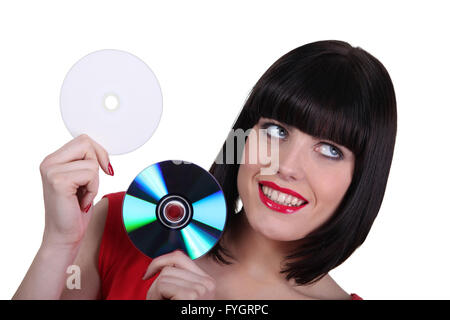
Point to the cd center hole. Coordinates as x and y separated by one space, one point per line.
174 212
111 102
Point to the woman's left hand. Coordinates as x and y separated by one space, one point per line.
180 279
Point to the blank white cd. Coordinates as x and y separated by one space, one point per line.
113 97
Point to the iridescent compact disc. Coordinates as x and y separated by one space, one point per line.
174 205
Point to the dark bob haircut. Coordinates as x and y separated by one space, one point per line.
329 90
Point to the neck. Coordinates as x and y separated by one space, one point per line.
256 255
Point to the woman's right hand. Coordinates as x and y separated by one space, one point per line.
179 279
70 181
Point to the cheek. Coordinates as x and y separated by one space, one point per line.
330 187
249 165
244 178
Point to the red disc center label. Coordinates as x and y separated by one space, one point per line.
174 212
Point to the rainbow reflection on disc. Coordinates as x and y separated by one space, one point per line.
174 205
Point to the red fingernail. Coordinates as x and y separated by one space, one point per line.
110 169
87 208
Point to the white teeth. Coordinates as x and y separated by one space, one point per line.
281 198
274 195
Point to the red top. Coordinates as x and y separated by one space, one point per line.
121 265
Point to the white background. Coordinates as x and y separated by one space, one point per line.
207 56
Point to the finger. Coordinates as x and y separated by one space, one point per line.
87 199
176 259
75 165
173 289
82 147
89 182
103 157
69 183
185 289
81 177
161 291
187 275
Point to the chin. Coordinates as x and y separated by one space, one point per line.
273 229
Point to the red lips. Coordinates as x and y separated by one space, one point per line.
276 206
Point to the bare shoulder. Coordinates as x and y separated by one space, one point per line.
325 289
87 257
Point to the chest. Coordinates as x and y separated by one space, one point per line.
235 282
231 287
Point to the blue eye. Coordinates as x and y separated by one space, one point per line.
275 130
330 151
326 149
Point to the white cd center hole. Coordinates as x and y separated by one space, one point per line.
111 102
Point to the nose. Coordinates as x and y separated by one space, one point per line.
292 163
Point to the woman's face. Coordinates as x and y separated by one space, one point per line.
310 169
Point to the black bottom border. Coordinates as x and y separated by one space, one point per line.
230 309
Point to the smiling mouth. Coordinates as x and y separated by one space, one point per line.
274 198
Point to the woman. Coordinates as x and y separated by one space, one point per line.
331 110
